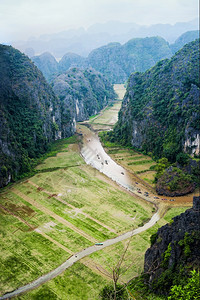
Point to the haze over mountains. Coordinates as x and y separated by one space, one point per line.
114 60
82 41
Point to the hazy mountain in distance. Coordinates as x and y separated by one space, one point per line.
82 41
167 31
118 61
114 60
113 27
185 38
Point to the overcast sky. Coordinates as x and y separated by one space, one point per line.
21 19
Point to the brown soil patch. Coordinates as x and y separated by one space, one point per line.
74 208
30 227
53 215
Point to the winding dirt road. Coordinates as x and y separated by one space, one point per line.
76 257
94 154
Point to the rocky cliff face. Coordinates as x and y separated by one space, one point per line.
82 93
118 61
114 60
174 251
30 116
71 60
47 64
160 111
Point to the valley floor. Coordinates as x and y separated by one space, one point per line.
69 206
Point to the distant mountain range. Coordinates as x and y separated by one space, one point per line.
82 42
114 60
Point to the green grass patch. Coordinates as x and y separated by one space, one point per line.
77 282
141 162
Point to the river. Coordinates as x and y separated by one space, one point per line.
94 154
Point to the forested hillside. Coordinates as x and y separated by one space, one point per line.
82 93
114 60
174 256
30 116
160 116
160 111
118 61
47 64
185 38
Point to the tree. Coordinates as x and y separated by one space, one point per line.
116 291
190 291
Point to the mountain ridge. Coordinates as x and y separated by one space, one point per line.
117 61
83 41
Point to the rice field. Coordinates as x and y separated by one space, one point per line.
63 209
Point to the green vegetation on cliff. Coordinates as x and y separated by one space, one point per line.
185 38
28 107
160 111
117 61
47 64
82 93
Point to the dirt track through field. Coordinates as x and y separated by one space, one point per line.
73 207
53 215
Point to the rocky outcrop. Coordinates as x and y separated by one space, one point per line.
30 114
174 183
114 60
118 61
47 64
160 111
71 60
82 93
174 251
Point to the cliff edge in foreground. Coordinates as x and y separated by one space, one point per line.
174 251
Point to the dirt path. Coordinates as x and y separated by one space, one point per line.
86 252
78 210
78 256
52 214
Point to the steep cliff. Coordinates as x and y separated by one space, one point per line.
47 64
174 251
160 111
114 60
30 116
71 60
118 61
82 93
